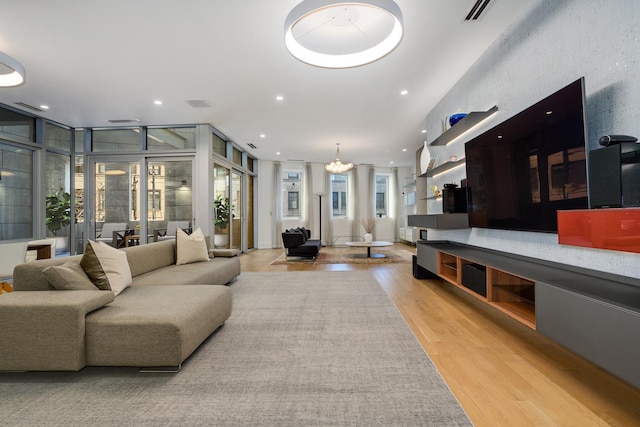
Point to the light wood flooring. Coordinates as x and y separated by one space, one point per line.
503 373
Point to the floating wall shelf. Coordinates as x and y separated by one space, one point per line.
444 167
469 121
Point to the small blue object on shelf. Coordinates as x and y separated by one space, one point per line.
455 118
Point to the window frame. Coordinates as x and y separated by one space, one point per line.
386 193
341 197
296 179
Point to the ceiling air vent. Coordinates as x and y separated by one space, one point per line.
251 145
30 107
121 121
198 103
476 10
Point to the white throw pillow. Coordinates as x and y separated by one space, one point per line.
191 248
106 266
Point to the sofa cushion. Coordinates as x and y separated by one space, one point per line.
68 276
155 326
106 266
152 256
191 247
217 271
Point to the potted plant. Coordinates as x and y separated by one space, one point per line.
368 224
222 212
58 211
58 215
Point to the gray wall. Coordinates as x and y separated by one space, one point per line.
555 44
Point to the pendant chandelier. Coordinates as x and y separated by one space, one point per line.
337 166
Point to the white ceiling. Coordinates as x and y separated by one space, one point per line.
92 61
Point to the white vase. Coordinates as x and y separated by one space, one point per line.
368 237
425 158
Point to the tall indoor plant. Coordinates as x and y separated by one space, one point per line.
58 216
222 213
58 211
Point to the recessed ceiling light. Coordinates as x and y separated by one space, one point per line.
423 131
404 92
279 98
277 153
341 34
262 135
44 107
391 162
157 102
548 113
404 149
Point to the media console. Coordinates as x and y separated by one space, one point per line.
593 313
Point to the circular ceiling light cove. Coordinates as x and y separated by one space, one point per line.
334 34
11 72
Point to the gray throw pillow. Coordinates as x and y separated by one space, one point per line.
68 276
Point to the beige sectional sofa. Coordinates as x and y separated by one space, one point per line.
158 321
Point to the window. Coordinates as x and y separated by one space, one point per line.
382 195
114 140
177 138
339 197
219 146
17 126
57 137
292 194
237 156
16 193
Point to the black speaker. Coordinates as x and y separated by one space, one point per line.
614 176
474 277
454 200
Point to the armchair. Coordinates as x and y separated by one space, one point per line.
110 231
11 254
168 233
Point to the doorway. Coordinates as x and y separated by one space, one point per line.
140 200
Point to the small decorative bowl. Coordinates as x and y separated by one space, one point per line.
455 118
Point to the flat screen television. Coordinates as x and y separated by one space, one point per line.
525 169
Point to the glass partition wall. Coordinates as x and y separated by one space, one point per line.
16 193
139 201
124 186
223 209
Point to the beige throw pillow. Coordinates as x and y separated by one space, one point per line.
106 266
191 248
68 276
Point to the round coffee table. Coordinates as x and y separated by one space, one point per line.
369 245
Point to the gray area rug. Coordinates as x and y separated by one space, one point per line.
300 349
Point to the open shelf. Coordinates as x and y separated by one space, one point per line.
513 295
469 121
509 293
448 267
444 167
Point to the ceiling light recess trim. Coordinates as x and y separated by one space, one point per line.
350 33
15 74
